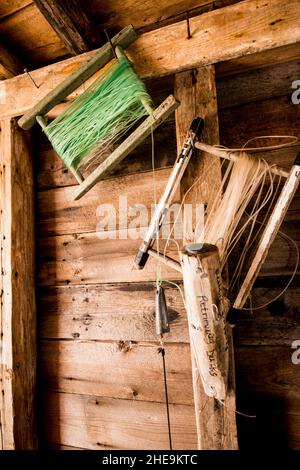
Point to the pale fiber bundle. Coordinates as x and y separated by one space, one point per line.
223 227
98 118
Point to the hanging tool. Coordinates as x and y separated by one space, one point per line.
161 312
162 326
163 206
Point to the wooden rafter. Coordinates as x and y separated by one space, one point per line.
71 23
10 65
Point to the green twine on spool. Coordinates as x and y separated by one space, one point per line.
93 124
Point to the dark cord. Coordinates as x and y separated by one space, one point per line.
161 351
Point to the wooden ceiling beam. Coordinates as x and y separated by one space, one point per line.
71 24
10 65
251 28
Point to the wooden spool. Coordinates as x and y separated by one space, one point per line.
102 57
206 306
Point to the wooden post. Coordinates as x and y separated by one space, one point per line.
205 306
17 309
196 91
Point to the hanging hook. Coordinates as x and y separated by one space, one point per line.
31 78
188 25
111 44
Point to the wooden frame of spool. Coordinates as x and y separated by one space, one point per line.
156 116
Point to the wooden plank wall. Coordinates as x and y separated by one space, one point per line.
99 368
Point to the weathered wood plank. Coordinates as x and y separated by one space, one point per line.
149 15
87 259
108 312
71 23
276 378
123 369
111 15
277 55
59 214
17 286
255 27
251 27
278 116
197 92
94 422
51 172
37 44
8 7
277 324
257 85
51 446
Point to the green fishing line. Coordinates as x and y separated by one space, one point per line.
90 127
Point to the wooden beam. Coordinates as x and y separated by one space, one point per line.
196 90
71 23
10 65
17 309
251 27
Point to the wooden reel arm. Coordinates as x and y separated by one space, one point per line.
272 226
